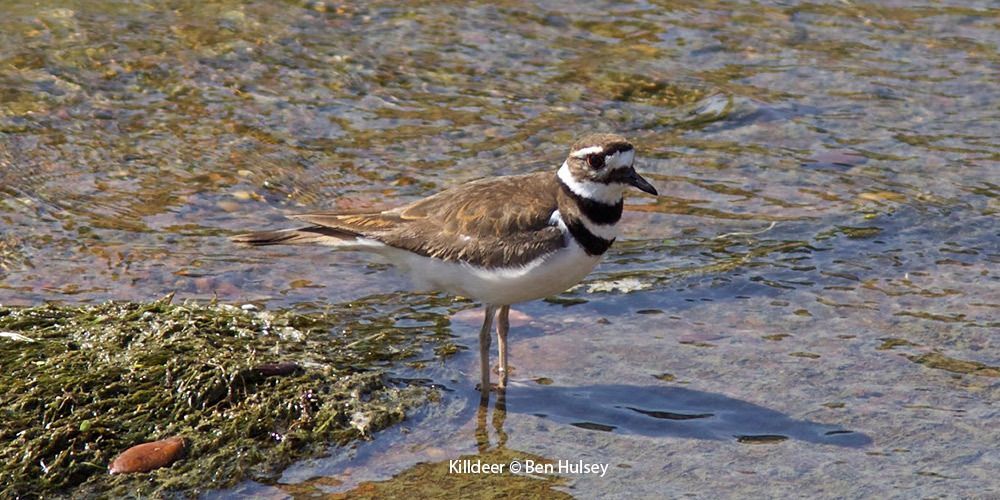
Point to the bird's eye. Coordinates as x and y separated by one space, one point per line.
596 161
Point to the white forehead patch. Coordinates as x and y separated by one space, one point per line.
581 153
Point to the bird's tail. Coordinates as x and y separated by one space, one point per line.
316 235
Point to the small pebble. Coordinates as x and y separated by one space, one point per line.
148 456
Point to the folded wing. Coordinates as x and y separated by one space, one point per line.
501 221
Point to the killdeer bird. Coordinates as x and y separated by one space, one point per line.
499 240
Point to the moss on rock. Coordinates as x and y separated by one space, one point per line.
81 384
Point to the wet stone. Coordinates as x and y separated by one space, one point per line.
148 456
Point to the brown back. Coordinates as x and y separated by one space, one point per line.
500 221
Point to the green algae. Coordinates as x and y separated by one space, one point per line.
889 343
438 480
81 384
761 439
10 254
941 362
776 337
808 355
851 232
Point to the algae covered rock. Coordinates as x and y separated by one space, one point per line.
250 391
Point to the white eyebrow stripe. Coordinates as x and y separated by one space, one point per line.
580 153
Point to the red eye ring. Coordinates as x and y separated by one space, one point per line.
596 161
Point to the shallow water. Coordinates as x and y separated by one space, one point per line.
822 257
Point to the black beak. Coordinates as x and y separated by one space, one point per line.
634 179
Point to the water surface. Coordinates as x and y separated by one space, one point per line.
822 257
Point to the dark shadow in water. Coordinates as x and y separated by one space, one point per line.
666 412
654 411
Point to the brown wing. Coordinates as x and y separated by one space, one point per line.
500 221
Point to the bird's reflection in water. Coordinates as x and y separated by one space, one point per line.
499 416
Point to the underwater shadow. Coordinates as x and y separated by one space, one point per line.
659 411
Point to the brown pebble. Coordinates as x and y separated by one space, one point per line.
277 369
148 456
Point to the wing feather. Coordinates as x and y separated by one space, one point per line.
500 221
